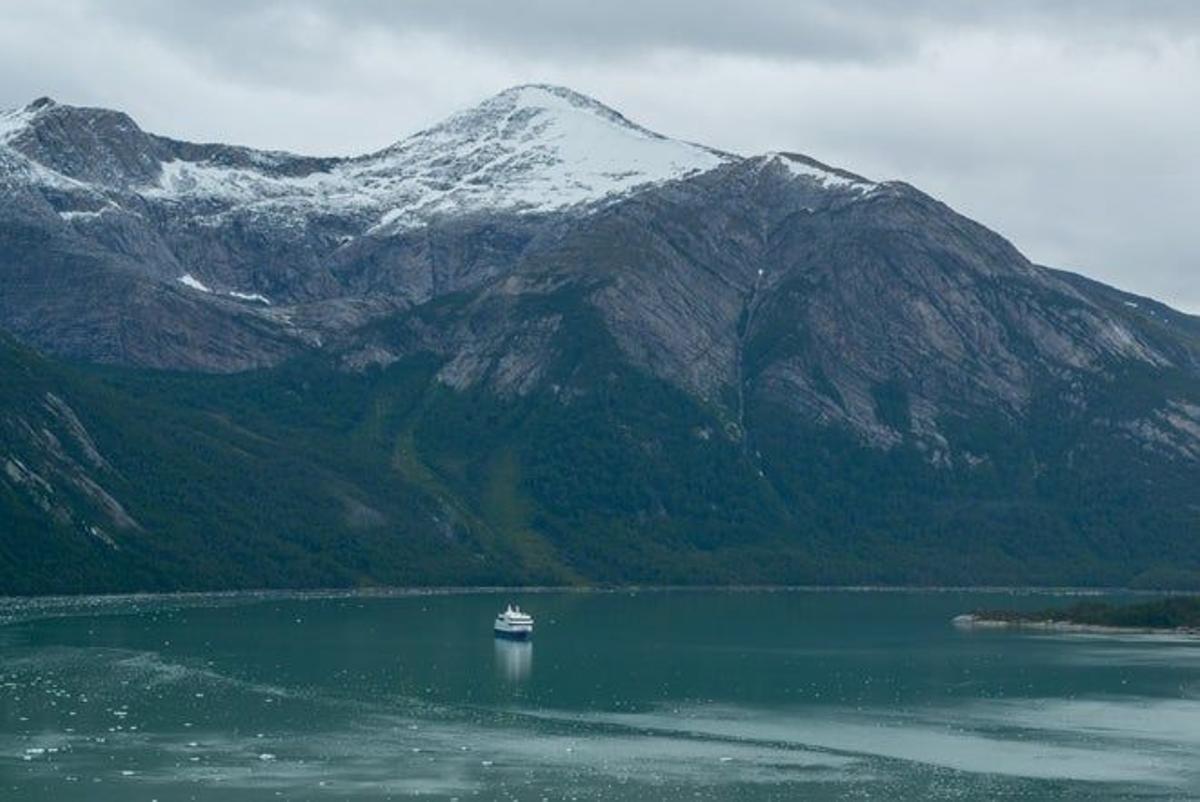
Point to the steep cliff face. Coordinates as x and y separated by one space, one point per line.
779 282
52 467
574 349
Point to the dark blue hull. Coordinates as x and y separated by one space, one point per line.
512 635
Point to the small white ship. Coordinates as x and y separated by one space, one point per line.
514 624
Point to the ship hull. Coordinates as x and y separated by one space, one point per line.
514 634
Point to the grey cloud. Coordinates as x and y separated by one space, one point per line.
846 30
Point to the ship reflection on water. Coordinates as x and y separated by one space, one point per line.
514 659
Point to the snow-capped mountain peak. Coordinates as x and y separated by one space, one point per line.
528 149
95 146
532 148
811 170
531 105
14 121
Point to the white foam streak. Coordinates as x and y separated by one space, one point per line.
967 740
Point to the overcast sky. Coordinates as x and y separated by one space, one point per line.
1073 128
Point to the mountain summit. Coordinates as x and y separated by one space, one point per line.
531 148
538 342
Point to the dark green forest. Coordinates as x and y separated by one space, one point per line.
310 476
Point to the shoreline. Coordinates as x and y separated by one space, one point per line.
970 621
14 609
458 590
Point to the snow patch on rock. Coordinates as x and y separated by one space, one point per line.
249 296
188 280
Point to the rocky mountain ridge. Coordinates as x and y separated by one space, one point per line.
302 247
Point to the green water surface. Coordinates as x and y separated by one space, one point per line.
621 696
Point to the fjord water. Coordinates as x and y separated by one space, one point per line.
621 696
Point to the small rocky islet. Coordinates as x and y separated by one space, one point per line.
1175 614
